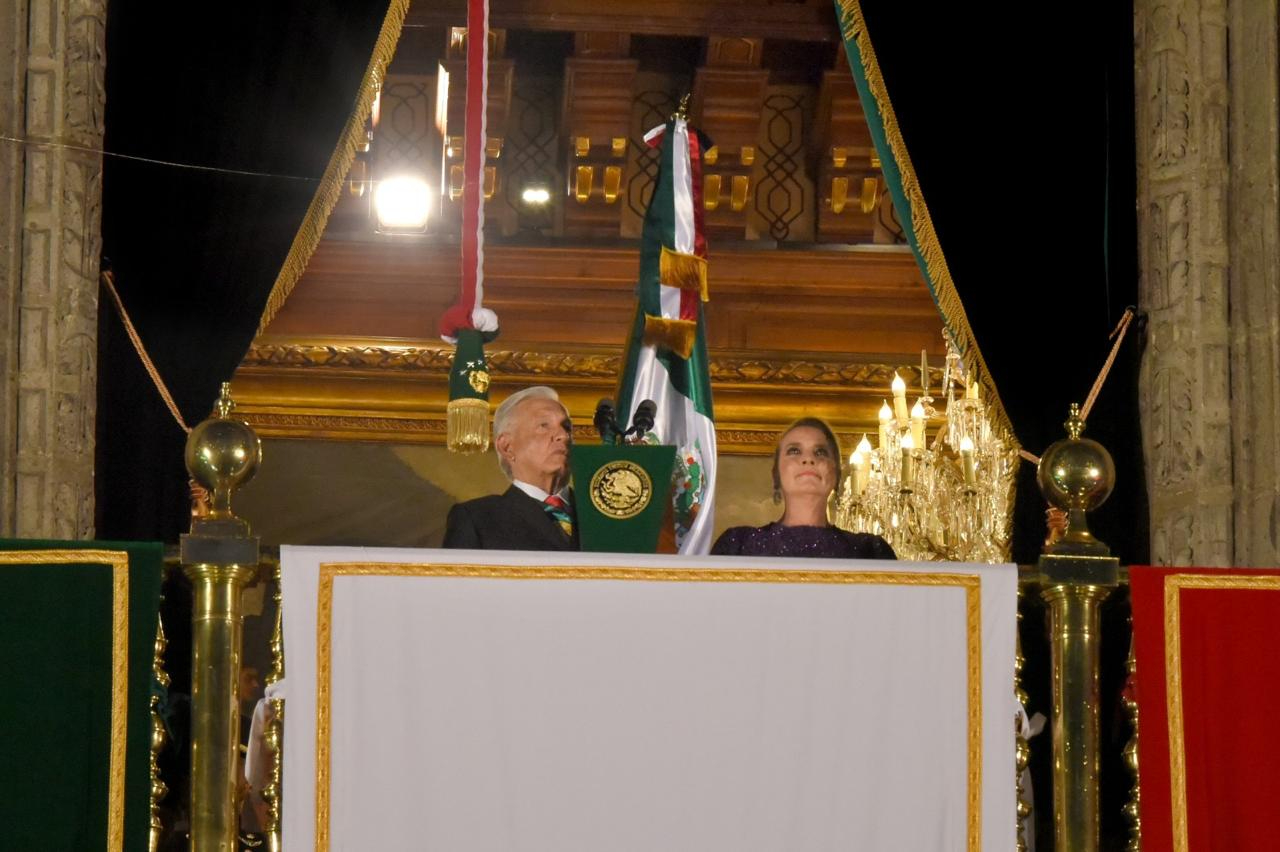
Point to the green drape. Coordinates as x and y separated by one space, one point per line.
59 625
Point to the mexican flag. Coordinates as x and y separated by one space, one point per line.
666 358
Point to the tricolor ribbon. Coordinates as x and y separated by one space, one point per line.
469 310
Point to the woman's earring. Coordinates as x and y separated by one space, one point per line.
777 496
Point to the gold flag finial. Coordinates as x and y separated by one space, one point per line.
225 405
682 111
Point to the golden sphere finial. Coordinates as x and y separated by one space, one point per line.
1076 475
222 454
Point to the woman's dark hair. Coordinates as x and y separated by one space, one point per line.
832 444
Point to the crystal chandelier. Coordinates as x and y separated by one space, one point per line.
939 486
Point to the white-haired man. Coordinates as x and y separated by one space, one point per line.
532 436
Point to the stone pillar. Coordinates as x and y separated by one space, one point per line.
1255 281
1209 248
1185 383
13 15
51 94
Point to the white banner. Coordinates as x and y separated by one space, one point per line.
466 700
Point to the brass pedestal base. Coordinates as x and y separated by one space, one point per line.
217 623
1074 586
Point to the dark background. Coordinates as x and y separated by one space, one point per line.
1020 127
1020 124
262 87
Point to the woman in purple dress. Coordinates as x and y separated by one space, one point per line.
806 468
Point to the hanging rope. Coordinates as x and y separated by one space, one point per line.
1117 334
1120 330
109 282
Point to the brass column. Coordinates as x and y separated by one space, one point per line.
274 736
1077 573
1133 808
220 558
158 737
1022 748
1074 596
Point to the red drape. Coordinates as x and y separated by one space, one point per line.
1228 669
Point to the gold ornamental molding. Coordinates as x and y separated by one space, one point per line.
433 360
397 391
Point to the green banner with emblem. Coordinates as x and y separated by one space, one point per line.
622 495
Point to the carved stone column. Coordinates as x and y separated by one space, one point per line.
13 13
1209 232
51 94
1255 281
1182 113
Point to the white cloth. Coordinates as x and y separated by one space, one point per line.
257 761
492 713
1028 727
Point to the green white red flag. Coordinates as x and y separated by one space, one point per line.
666 358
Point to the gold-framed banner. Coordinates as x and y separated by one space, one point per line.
1174 586
117 565
331 598
1202 644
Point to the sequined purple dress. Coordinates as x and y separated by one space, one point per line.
817 542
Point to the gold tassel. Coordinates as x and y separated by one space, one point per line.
686 271
674 334
468 420
335 174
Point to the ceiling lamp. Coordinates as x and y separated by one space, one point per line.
402 205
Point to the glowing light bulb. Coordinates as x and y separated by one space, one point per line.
536 196
402 204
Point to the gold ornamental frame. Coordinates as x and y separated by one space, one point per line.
396 391
971 584
118 563
1174 584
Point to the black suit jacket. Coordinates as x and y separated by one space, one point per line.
509 521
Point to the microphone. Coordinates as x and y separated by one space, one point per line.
605 421
642 420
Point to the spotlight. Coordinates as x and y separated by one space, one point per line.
402 205
535 196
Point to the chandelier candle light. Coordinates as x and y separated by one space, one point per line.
926 498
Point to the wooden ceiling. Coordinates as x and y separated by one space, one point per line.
796 20
814 299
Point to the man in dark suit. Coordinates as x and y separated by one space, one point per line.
532 435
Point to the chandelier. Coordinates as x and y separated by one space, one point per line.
939 485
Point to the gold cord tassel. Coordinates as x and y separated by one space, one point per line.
674 334
468 420
686 271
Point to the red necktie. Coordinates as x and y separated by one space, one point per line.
557 508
